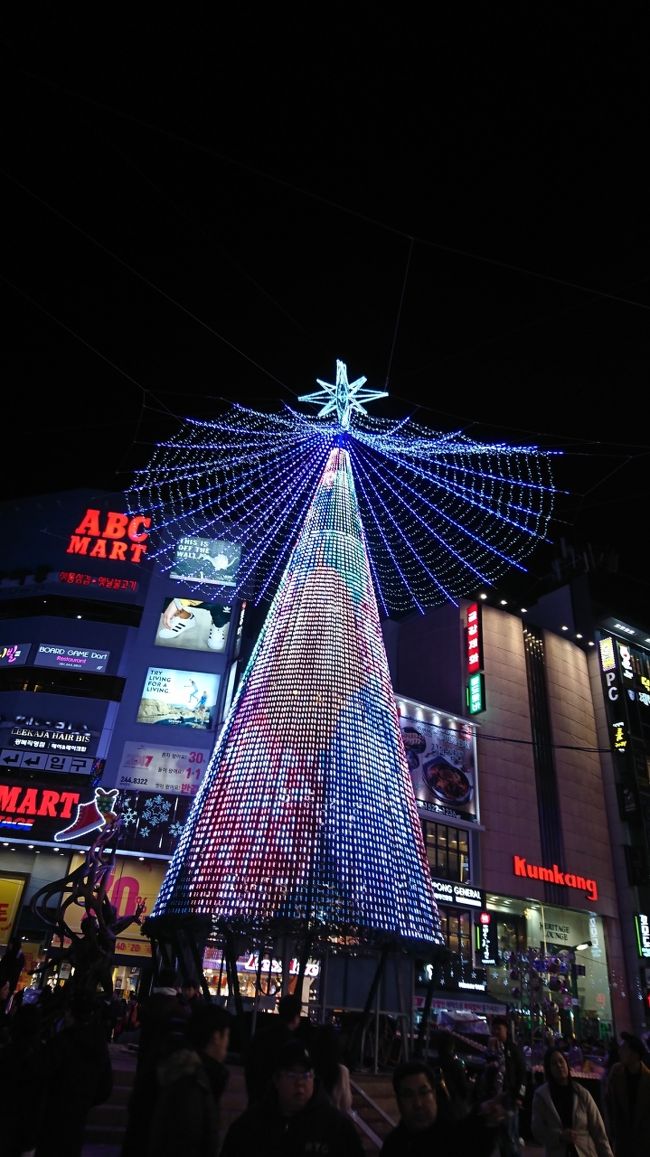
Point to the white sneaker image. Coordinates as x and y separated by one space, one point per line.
217 637
178 626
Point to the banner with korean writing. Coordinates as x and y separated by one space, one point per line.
147 767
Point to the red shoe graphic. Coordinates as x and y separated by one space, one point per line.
96 813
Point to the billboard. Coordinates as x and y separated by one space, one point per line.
208 560
71 658
193 625
55 728
179 698
147 767
441 754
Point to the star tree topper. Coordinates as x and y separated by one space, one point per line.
344 397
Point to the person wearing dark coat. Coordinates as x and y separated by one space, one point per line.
295 1118
627 1099
77 1076
22 1080
273 1032
11 966
163 1018
424 1132
191 1082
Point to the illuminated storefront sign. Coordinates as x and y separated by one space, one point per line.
555 876
71 658
31 761
14 654
486 939
475 693
113 536
79 579
642 929
475 688
474 639
464 895
21 804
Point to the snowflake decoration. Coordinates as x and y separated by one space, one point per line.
155 812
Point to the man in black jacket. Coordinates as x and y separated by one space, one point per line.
295 1118
423 1132
274 1030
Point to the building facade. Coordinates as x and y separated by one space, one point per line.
526 743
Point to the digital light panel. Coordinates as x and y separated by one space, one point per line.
306 815
441 512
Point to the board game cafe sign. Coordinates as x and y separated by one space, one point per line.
110 535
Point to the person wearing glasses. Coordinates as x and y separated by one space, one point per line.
426 1127
295 1117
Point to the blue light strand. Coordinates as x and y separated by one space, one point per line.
440 511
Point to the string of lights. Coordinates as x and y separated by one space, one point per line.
306 815
440 511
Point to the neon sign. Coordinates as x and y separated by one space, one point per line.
118 538
20 806
555 876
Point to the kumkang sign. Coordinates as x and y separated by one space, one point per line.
555 875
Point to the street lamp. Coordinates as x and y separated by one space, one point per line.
575 1000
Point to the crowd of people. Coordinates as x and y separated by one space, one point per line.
55 1067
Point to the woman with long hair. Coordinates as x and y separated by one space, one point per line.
565 1119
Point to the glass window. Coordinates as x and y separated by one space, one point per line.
447 852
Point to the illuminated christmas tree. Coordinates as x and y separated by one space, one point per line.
306 817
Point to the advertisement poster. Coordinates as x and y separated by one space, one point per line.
179 698
193 625
145 767
131 882
11 894
441 754
207 560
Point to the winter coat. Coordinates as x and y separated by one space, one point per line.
547 1127
319 1128
185 1117
630 1135
470 1137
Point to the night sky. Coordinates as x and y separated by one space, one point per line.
202 208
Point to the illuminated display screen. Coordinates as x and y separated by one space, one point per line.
440 750
193 625
179 698
147 767
207 560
